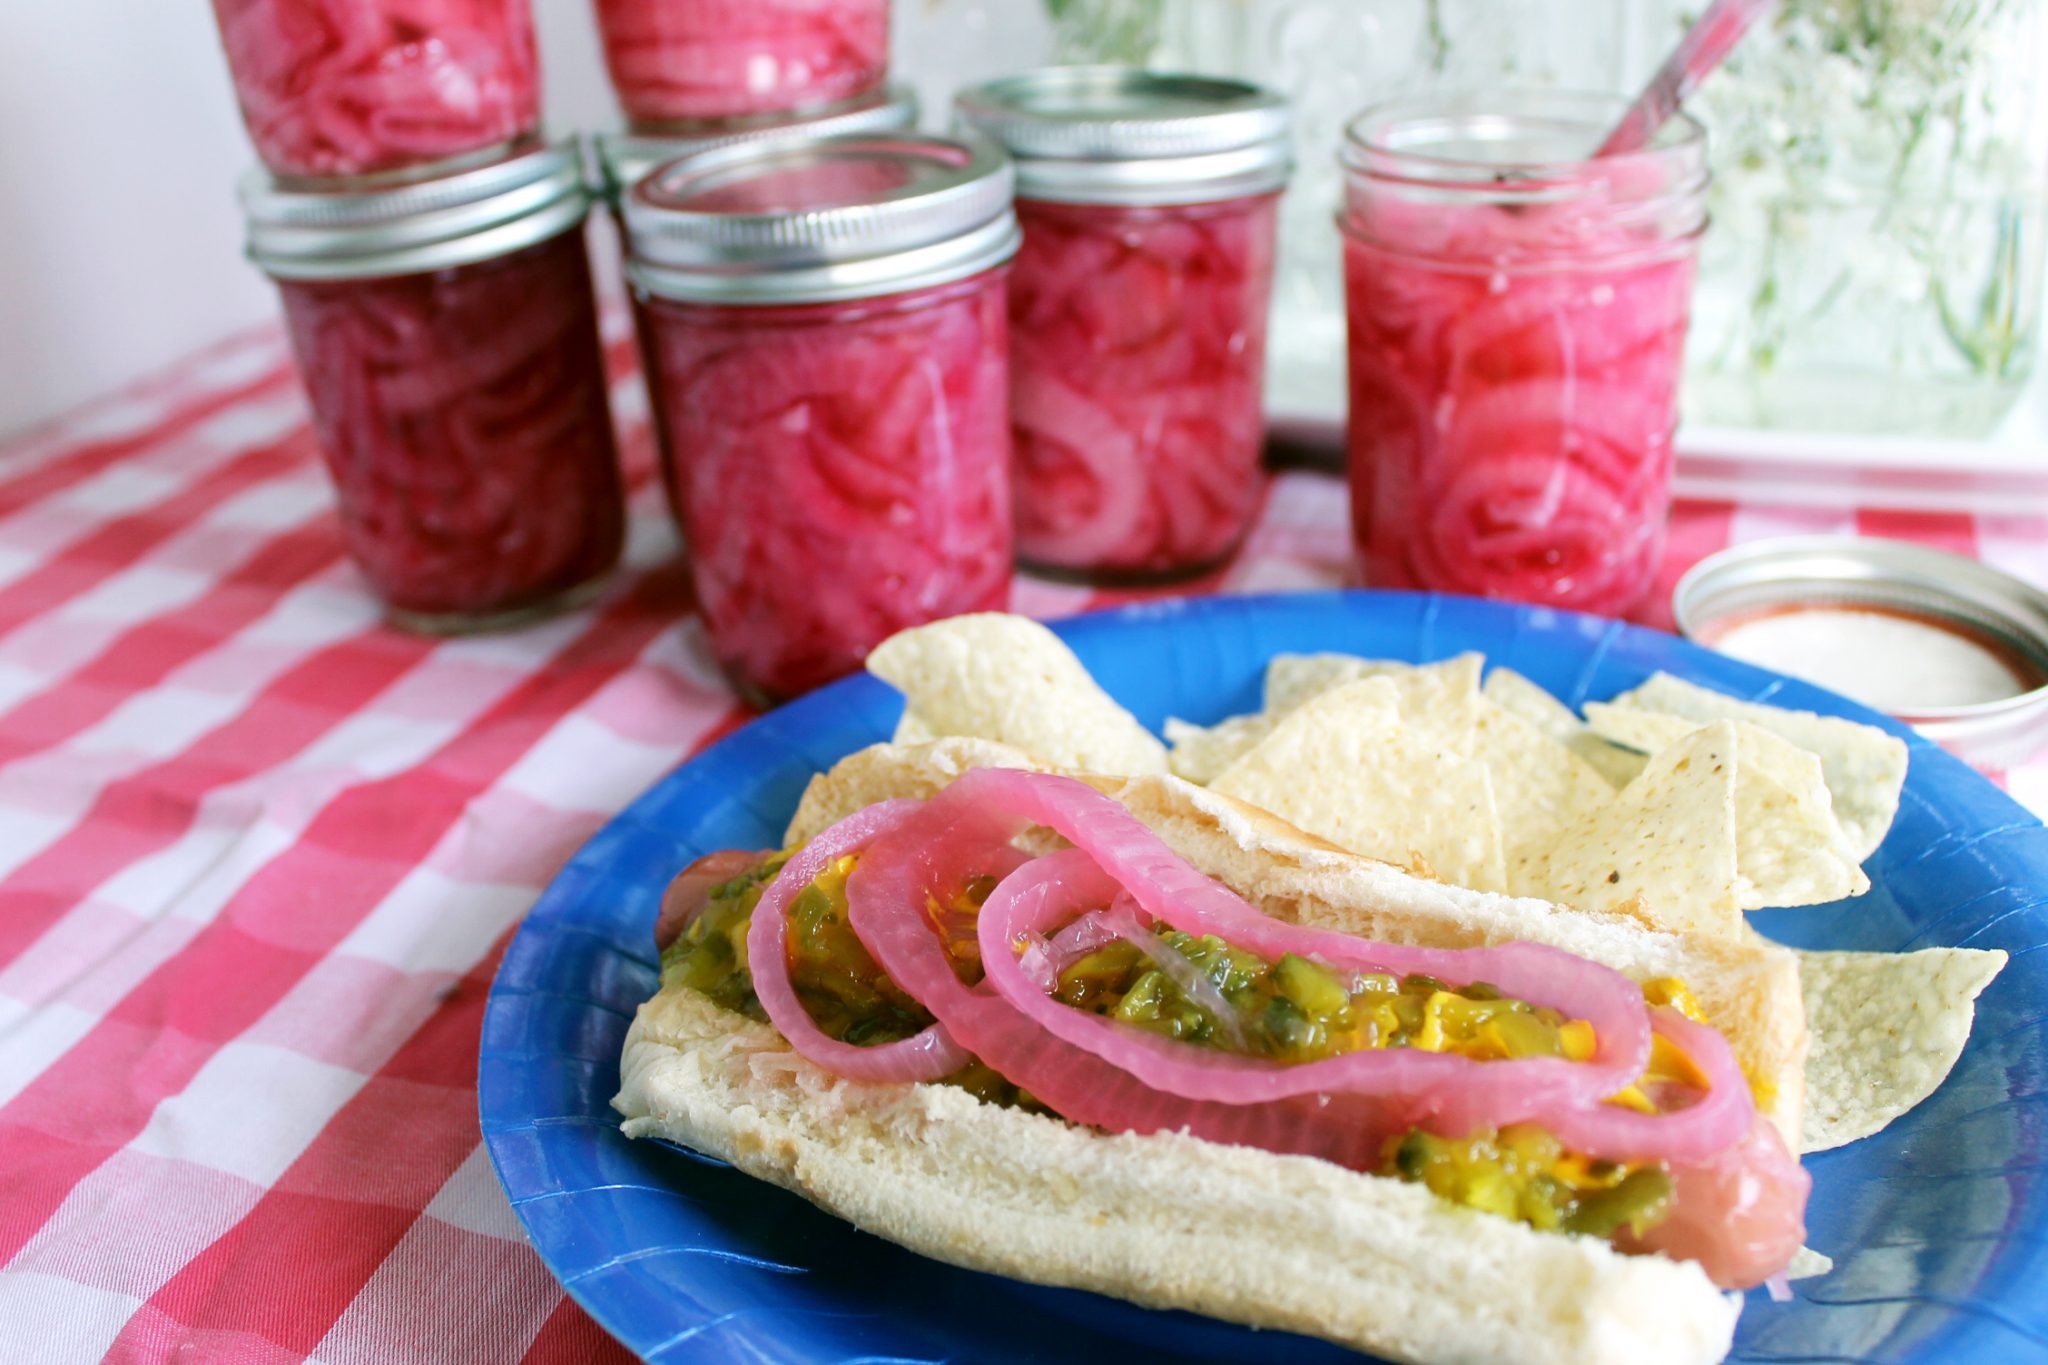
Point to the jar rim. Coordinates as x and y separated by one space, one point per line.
1382 143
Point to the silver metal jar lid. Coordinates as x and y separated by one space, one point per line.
820 220
451 220
1117 135
2003 617
623 158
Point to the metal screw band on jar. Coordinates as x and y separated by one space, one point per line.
1113 135
474 215
623 159
819 221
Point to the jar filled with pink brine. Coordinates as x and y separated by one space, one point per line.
829 359
348 88
674 60
1137 312
447 335
1517 321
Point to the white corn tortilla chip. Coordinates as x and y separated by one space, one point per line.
1009 679
1789 848
1201 753
1865 767
1807 1263
1663 848
1292 679
1540 787
1344 767
1887 1029
1511 691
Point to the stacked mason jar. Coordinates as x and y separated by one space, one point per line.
428 245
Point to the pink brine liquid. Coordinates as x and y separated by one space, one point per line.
674 60
1514 387
1139 339
361 87
842 470
463 415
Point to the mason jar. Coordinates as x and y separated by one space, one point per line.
623 158
829 357
381 87
716 59
1517 317
1137 311
447 336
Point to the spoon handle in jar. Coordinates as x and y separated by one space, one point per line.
1705 46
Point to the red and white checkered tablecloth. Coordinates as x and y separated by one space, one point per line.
259 855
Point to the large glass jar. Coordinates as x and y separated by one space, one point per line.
1880 212
447 335
1517 326
1137 312
349 88
712 59
829 358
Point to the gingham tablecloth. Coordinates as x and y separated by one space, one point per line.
259 855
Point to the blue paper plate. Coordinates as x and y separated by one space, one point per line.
1938 1226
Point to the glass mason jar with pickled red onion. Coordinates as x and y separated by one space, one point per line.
1137 312
623 158
1517 319
347 88
673 60
830 364
447 335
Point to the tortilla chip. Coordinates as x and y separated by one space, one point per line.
1887 1029
913 729
1663 849
1201 753
1865 768
1789 848
1344 767
1512 692
1808 1263
1009 679
1540 788
1292 679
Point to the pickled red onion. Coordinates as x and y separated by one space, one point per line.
926 1056
1449 1092
1171 890
939 849
1692 1134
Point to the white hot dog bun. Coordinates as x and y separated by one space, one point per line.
1172 1221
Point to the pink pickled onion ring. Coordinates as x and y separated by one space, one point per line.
926 1056
939 850
1172 891
1459 1093
1695 1133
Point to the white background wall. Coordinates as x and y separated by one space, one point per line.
120 145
